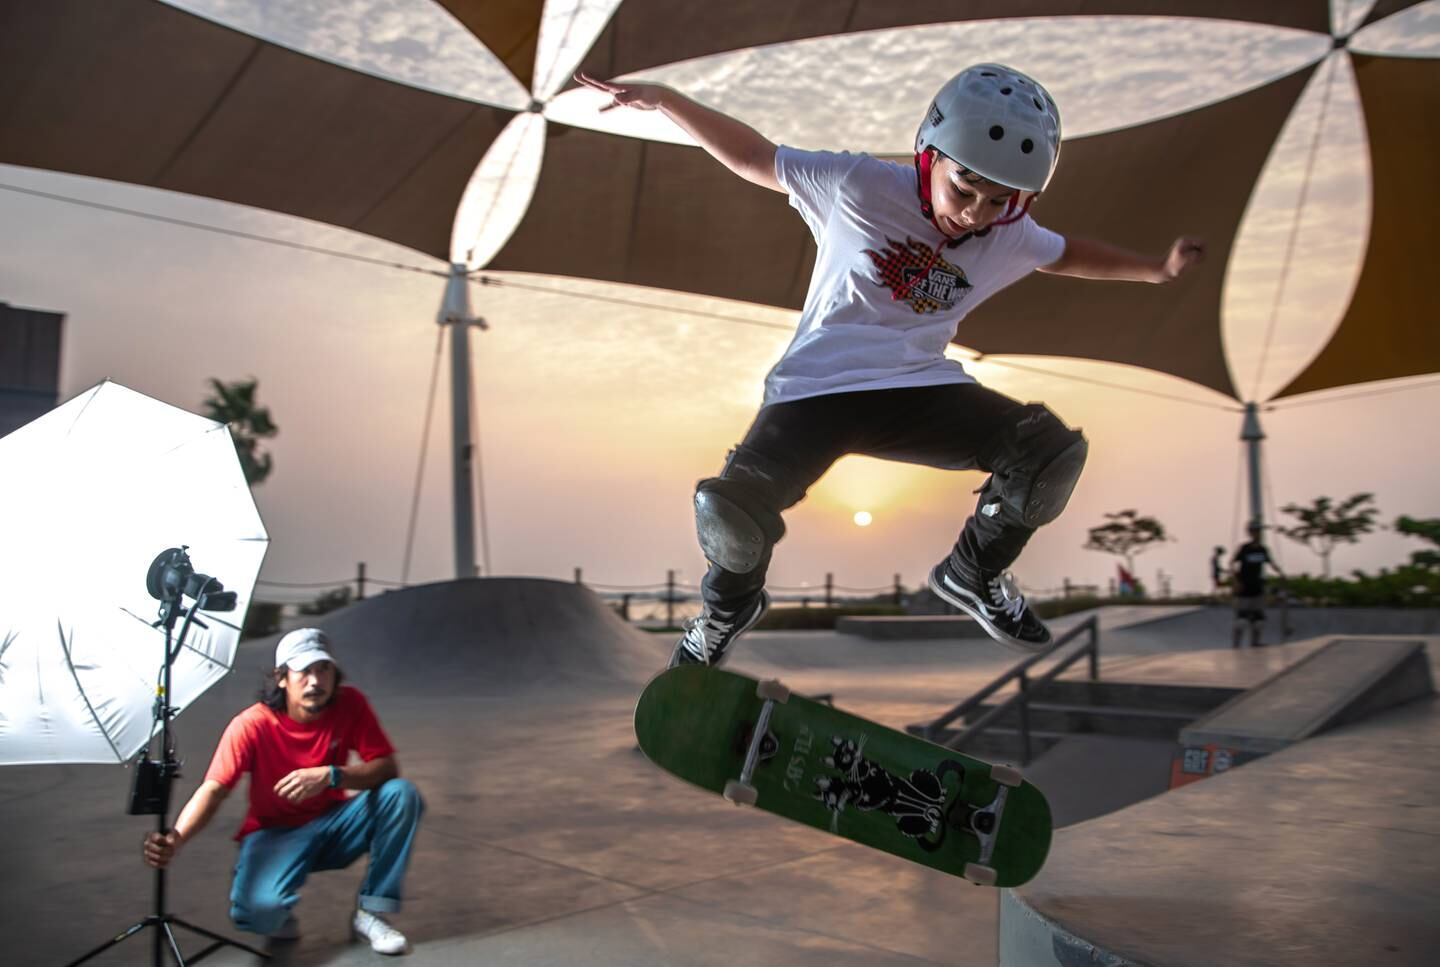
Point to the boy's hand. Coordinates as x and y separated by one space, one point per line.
1184 252
301 784
643 97
160 848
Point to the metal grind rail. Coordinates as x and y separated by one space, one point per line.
1020 701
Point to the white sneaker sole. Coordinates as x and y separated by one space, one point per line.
952 593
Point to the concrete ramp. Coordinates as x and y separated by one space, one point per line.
1343 681
483 632
1321 853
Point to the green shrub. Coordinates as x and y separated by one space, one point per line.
262 619
1406 586
328 601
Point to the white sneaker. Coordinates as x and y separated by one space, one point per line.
383 938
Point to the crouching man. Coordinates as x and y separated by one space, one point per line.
295 743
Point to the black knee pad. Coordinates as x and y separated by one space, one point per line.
735 528
1036 461
737 514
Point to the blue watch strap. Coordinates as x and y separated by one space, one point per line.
334 777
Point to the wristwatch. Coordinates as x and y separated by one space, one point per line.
335 777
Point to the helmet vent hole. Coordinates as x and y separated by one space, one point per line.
1006 90
996 133
1038 105
1027 146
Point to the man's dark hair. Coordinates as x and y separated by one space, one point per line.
273 695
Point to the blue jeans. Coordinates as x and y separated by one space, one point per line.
273 863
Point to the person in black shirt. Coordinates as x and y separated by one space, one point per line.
1248 566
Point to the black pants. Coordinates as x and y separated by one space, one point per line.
791 445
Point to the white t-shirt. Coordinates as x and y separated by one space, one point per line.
873 240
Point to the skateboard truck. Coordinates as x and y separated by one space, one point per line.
739 790
985 823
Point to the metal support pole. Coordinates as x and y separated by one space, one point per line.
1251 433
463 453
360 583
455 312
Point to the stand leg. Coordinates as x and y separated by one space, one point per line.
126 934
165 935
219 940
174 947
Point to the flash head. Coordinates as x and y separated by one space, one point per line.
172 575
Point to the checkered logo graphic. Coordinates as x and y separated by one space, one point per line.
901 265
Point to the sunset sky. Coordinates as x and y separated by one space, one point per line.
596 419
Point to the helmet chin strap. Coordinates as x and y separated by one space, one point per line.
924 160
1011 215
924 163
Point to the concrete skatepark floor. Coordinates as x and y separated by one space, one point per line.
548 839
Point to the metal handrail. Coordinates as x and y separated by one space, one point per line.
1022 697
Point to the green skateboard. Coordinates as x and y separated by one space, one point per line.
757 744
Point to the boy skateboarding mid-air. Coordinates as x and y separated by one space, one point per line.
904 254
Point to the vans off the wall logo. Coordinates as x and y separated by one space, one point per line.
914 271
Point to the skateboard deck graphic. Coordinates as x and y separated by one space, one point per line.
817 765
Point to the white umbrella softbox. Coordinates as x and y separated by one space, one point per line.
90 493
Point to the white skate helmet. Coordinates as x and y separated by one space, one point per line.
998 123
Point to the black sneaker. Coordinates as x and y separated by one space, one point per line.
993 600
708 636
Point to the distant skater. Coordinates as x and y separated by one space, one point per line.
1249 583
1219 573
904 253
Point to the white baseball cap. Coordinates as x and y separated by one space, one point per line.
302 648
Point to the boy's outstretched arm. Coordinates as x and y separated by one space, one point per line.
1086 258
737 146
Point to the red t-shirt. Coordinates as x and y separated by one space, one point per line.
270 745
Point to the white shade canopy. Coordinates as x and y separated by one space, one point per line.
90 493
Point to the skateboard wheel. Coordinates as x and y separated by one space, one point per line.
1006 776
739 793
773 692
979 875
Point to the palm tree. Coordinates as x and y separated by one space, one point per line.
234 405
